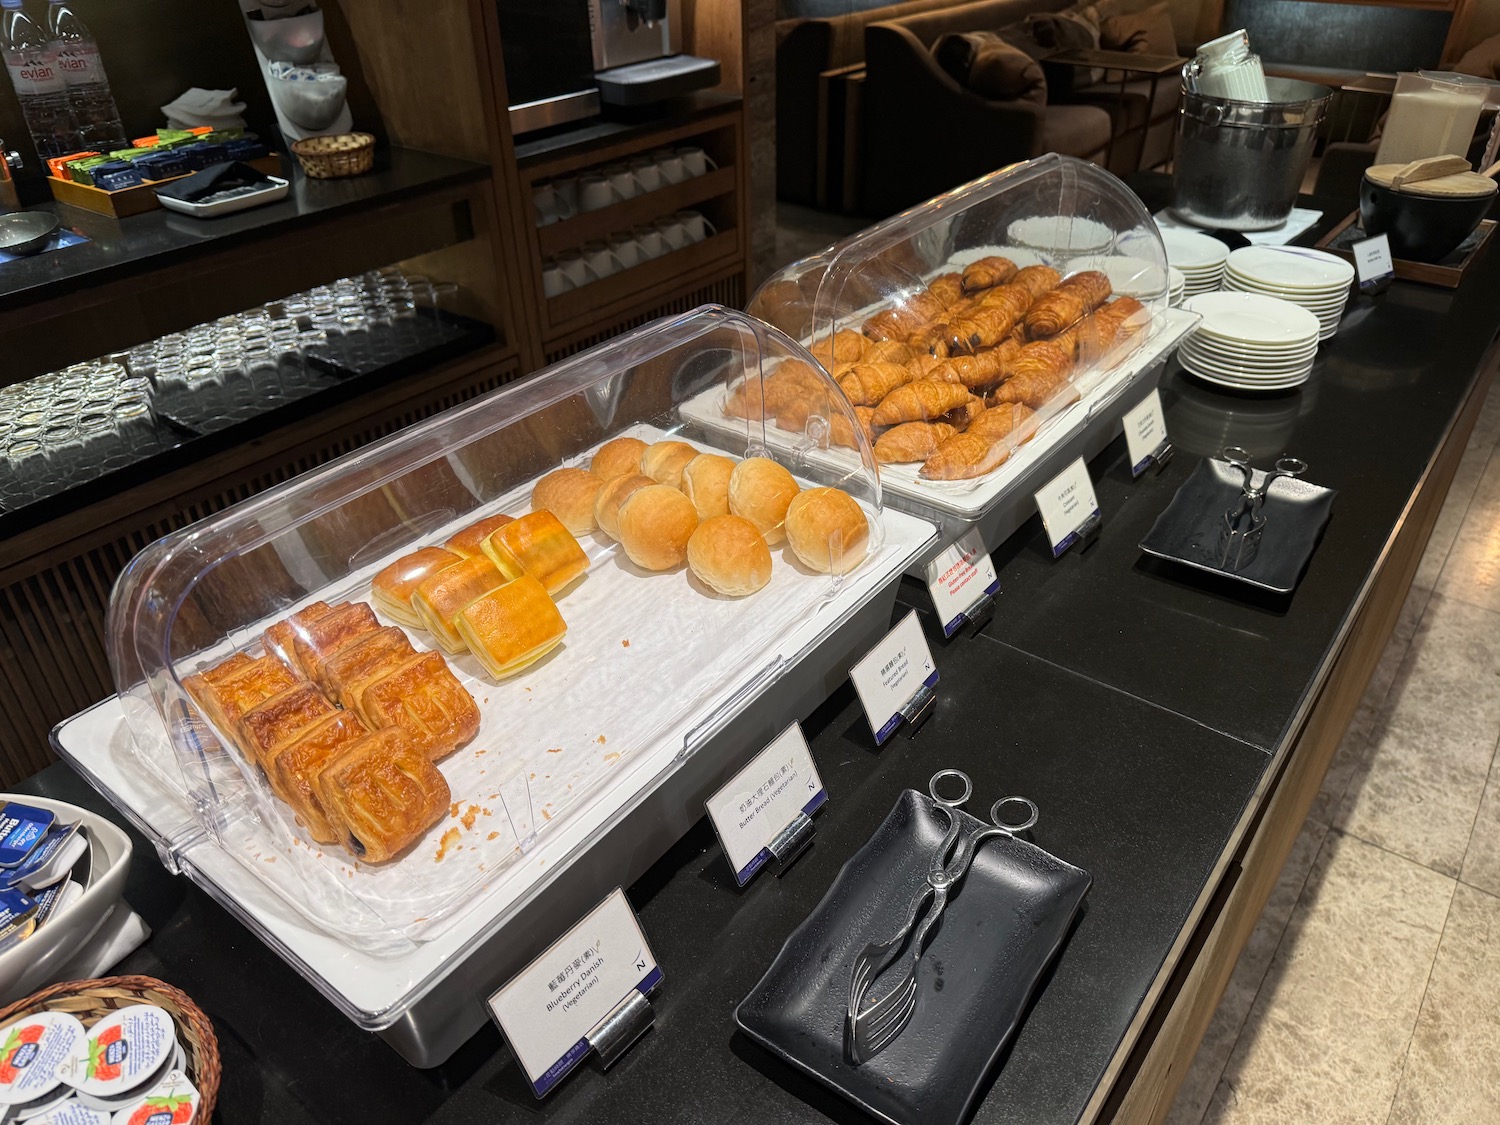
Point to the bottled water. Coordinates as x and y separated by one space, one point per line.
31 61
99 126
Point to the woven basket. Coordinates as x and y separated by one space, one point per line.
92 1000
342 154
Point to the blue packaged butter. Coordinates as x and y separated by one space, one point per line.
17 917
21 830
60 848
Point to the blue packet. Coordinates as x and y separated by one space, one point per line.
17 917
21 830
53 852
114 177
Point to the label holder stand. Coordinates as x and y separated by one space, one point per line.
1159 456
977 616
1086 535
918 709
792 841
618 1031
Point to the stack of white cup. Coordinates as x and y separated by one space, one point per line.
597 188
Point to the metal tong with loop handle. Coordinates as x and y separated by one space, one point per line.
1239 536
870 1028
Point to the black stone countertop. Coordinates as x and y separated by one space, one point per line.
1139 708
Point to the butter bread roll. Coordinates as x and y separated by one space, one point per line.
469 542
611 496
655 525
512 627
392 588
569 494
759 491
618 458
729 555
827 530
664 461
539 545
705 482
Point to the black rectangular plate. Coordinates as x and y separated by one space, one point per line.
1008 920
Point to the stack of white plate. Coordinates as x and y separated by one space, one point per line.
1200 259
1176 286
1314 279
1250 342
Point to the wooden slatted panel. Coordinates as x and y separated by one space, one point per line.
53 660
728 291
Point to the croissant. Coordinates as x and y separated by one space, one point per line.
1069 303
1036 375
999 422
963 416
921 401
1092 337
867 383
841 432
922 366
844 346
911 441
987 273
888 351
1037 280
794 415
986 326
931 339
982 369
948 288
756 399
964 456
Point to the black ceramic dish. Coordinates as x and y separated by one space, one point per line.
999 933
26 232
1420 228
1188 531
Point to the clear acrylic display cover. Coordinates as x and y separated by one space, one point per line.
1053 210
645 654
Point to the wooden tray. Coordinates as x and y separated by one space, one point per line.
132 200
1449 273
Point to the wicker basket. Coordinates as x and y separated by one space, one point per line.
342 154
92 1000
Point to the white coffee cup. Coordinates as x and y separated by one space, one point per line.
647 174
601 260
695 161
554 280
550 206
575 268
650 242
697 227
626 249
594 193
673 233
669 164
566 189
622 180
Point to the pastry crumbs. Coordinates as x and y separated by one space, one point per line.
453 809
546 814
492 835
625 643
601 740
450 838
611 756
468 818
555 750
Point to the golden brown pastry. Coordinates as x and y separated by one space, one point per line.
440 598
322 638
1069 303
965 414
392 588
923 366
911 441
978 371
226 701
987 273
423 698
619 457
922 401
539 545
759 491
278 638
1037 280
865 384
931 340
347 671
655 525
276 722
886 351
900 321
794 415
841 433
569 494
664 461
844 346
984 327
1003 421
705 482
827 530
611 496
470 541
948 288
729 555
512 627
1040 371
964 456
231 667
294 770
381 794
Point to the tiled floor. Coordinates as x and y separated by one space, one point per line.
1370 989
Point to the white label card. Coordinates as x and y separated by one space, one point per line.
1145 430
1067 502
891 673
762 799
547 1010
959 577
1372 260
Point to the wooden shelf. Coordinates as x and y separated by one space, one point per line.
573 233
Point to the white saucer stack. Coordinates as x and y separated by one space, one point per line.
1316 280
1250 342
1199 258
1177 286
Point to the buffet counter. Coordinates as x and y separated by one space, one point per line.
1172 734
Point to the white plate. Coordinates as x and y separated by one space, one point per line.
1191 252
1291 268
1298 290
1247 374
1213 342
1322 305
1252 318
1220 381
1056 233
1128 276
1252 358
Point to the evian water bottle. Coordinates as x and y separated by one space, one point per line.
99 126
40 87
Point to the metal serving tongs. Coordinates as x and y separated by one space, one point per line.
1239 536
873 1027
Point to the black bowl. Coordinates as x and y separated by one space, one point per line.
1420 228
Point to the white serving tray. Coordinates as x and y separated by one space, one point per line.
276 189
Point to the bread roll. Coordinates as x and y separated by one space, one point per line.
729 555
618 458
664 461
569 494
705 482
824 525
655 525
539 545
611 496
759 491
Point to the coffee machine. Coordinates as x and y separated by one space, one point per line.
566 59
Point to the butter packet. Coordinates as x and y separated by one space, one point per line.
21 830
18 917
61 847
